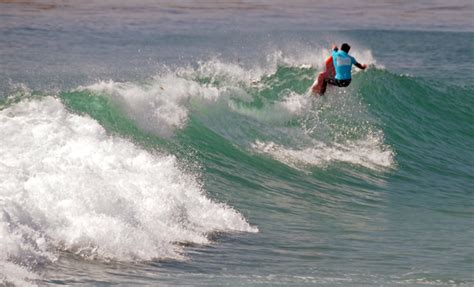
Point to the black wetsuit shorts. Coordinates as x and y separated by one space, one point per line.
339 83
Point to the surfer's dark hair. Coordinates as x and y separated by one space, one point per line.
345 47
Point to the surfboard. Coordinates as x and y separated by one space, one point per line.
319 86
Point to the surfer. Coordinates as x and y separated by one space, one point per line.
338 70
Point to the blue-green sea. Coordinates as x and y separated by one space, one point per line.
177 143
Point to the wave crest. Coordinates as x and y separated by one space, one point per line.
67 185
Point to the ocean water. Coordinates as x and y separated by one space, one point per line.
172 143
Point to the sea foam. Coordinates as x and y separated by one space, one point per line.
65 184
368 152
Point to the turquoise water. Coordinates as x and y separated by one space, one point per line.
165 144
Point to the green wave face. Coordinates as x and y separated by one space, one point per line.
272 115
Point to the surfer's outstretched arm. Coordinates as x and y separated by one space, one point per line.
361 66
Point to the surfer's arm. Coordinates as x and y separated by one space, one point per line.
334 51
360 66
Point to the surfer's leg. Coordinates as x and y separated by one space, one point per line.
323 87
319 87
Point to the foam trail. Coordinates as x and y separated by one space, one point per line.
67 185
368 153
